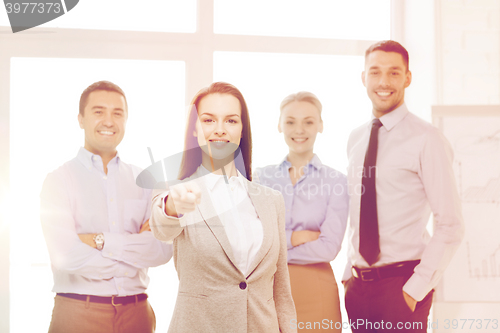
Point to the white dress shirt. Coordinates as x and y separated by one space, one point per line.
237 214
414 176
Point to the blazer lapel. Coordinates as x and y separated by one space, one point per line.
213 222
268 219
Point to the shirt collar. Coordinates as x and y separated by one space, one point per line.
392 118
315 162
212 179
88 158
285 163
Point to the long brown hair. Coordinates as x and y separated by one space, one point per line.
191 157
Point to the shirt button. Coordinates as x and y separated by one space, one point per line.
100 276
111 199
110 254
243 285
135 263
104 177
113 222
119 288
126 273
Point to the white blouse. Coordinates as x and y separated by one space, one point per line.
237 214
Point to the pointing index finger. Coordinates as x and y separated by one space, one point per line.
192 187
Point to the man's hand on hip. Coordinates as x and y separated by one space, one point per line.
410 301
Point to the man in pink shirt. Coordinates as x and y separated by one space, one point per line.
400 170
95 221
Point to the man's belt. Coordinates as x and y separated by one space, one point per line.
402 268
113 300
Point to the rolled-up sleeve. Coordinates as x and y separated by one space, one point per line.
332 231
67 252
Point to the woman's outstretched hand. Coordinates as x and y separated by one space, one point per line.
182 199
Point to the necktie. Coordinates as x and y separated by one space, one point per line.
369 246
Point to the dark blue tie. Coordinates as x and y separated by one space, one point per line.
369 246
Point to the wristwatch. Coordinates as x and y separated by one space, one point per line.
99 241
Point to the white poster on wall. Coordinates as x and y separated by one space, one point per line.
474 133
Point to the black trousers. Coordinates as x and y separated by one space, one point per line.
379 306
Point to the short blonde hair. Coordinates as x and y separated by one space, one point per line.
302 96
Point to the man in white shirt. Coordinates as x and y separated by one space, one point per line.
95 221
400 169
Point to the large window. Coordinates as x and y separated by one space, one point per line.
266 78
44 105
337 19
161 53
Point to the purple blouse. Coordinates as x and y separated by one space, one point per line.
318 201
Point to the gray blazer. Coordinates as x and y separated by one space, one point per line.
214 296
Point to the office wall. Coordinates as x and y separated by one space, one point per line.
468 62
454 48
468 50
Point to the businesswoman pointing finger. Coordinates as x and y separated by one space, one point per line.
228 233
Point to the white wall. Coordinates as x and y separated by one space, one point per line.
468 51
455 60
468 59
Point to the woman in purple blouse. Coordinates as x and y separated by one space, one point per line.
316 202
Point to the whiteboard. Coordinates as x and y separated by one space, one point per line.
474 133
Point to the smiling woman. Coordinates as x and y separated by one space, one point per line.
219 127
228 233
316 204
223 104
